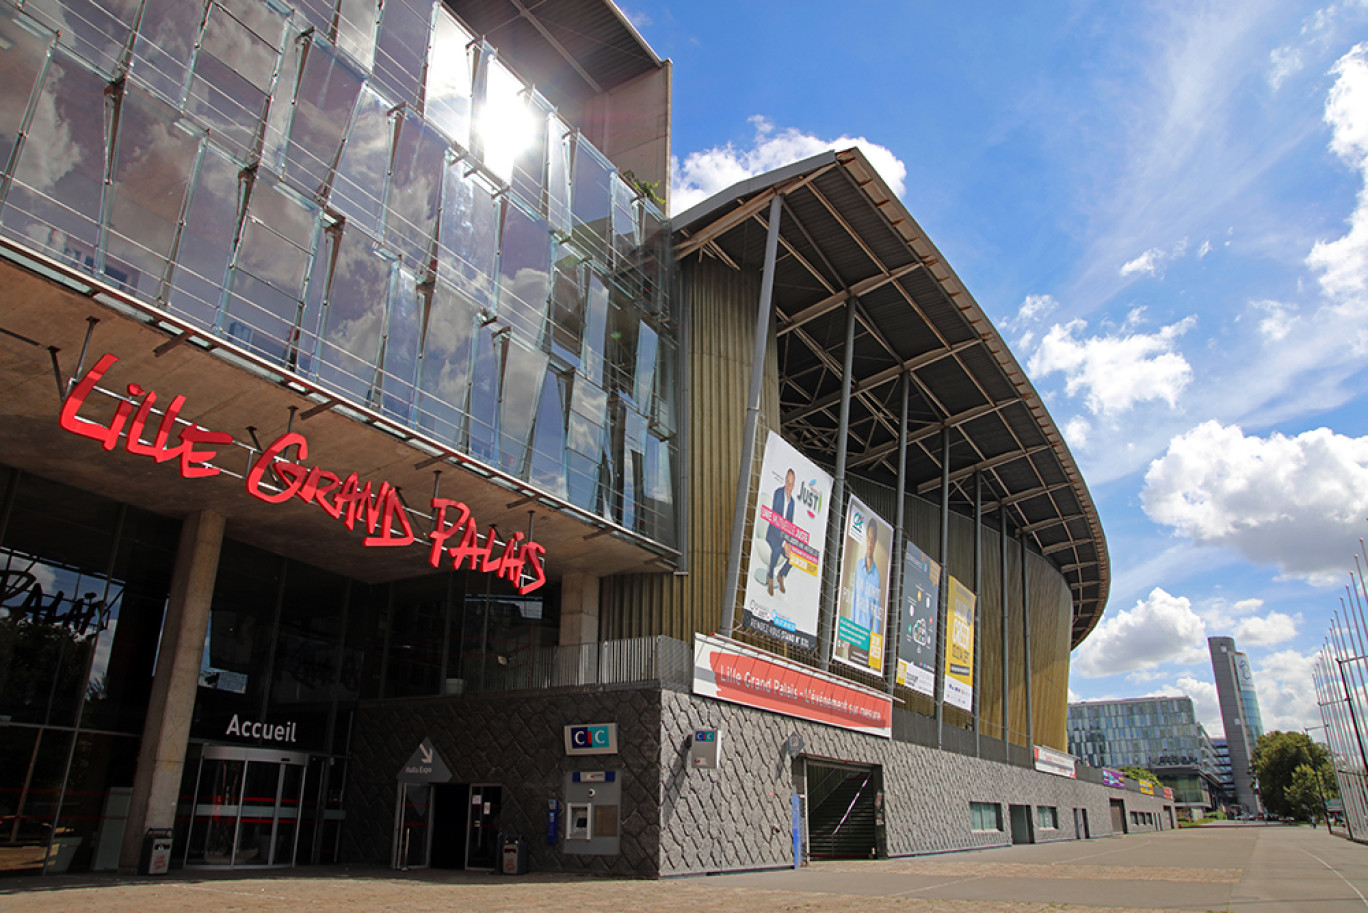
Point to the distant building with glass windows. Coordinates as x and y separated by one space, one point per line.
1160 734
1240 716
381 468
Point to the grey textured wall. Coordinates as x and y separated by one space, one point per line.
676 820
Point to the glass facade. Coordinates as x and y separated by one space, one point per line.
1145 732
367 197
288 652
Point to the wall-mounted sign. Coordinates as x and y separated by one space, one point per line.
1146 787
729 671
706 749
959 646
259 729
591 738
1168 794
862 601
921 605
1113 778
1049 761
425 765
274 479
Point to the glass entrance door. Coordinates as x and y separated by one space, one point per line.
246 809
413 835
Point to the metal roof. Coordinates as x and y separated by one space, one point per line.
571 50
844 236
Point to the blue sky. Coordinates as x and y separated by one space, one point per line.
1163 209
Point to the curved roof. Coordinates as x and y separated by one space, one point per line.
844 235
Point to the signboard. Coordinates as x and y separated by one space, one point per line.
862 602
730 671
1146 787
425 765
706 748
1113 778
921 605
784 584
1049 761
1243 675
959 647
591 738
1168 794
274 478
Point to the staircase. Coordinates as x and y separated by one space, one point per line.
841 823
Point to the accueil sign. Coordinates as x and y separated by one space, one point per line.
346 499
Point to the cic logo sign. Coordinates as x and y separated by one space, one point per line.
591 738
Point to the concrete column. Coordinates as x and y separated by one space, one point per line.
166 731
579 617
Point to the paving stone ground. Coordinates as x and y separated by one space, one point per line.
1213 868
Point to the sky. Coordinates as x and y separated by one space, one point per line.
1163 207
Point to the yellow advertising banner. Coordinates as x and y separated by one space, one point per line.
959 646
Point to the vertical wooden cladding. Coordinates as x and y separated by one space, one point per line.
721 316
721 313
1051 610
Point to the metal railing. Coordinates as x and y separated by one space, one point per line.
633 661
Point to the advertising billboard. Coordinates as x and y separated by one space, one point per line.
1114 778
1050 761
784 586
862 603
729 671
917 637
959 647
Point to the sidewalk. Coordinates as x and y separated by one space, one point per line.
1234 868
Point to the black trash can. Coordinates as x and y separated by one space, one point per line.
514 856
156 852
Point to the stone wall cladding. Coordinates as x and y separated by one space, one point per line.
515 740
737 816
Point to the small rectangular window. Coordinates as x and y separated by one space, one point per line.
985 816
1047 817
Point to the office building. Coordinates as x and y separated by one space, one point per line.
1240 716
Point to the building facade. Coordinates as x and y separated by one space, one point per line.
376 459
1240 716
1160 734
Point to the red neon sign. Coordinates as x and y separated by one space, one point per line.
381 511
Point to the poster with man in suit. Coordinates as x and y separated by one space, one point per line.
789 521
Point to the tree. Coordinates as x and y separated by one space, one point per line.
1304 793
1277 755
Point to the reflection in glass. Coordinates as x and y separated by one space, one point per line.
356 22
567 308
547 468
400 372
166 37
524 272
558 174
584 445
529 164
524 371
54 200
504 124
590 198
152 167
97 30
401 48
233 71
361 172
447 353
22 53
206 241
484 393
328 89
415 190
354 317
468 240
449 78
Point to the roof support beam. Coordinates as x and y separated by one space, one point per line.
542 30
886 376
874 454
832 302
734 217
984 466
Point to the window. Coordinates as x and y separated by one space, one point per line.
1047 817
985 816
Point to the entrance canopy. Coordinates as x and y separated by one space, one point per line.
844 237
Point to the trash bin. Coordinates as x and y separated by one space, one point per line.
514 856
156 852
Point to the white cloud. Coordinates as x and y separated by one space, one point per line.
1159 629
1221 614
1343 263
1267 630
1297 503
1276 319
1204 250
1284 62
1116 371
1076 431
1147 263
1034 307
702 174
1286 692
